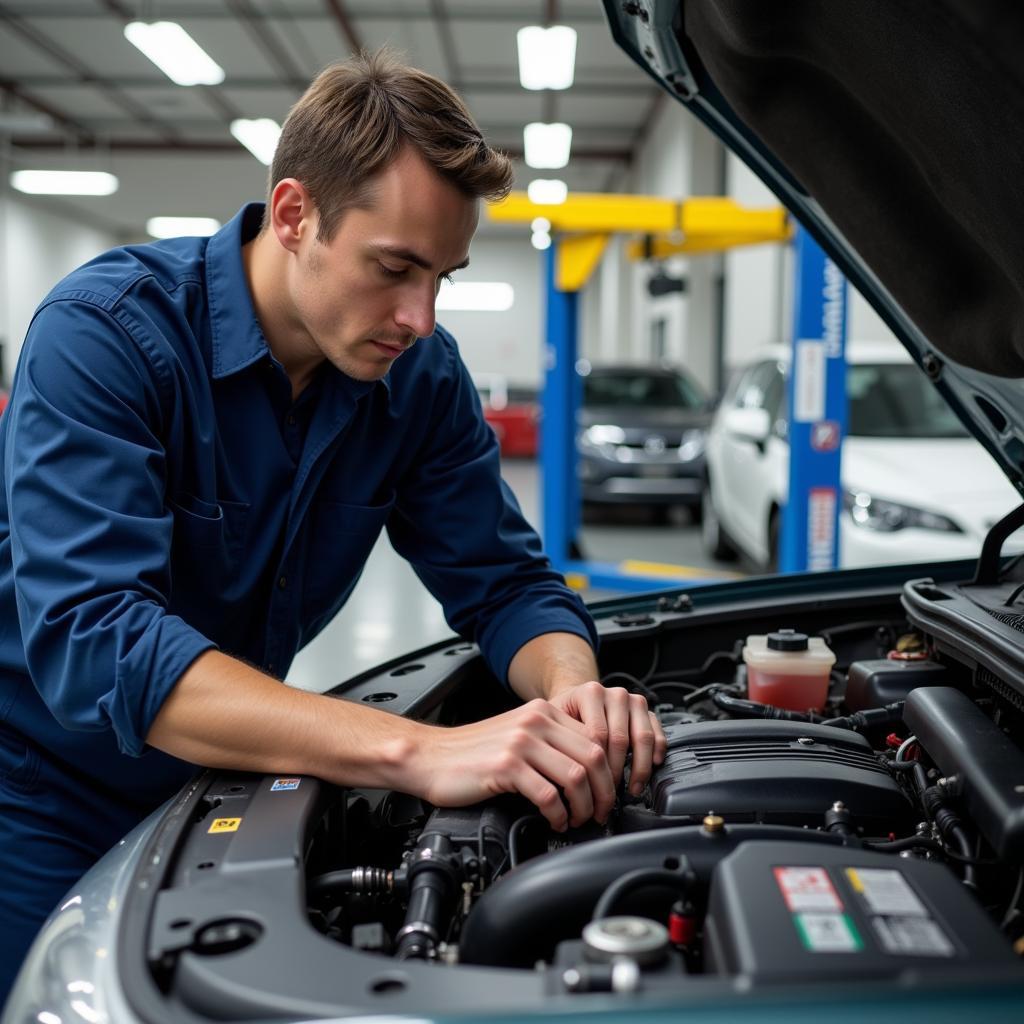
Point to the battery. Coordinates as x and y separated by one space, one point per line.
790 911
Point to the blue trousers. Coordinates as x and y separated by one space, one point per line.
54 825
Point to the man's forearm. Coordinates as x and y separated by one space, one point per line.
224 714
551 663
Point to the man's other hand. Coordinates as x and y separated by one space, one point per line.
618 721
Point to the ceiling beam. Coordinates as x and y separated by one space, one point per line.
60 119
255 23
447 37
85 75
487 88
141 146
337 10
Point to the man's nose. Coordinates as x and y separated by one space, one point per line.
416 313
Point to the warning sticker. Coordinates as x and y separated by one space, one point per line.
809 382
807 889
821 527
225 825
280 784
828 933
886 892
912 936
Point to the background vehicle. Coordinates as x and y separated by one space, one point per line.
917 486
641 437
512 412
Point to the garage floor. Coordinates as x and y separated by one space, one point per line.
391 613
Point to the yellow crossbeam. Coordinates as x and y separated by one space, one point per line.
592 211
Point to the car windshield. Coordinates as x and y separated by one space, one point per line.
897 400
660 390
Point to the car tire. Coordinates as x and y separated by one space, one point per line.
716 544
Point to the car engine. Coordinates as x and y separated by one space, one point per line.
878 837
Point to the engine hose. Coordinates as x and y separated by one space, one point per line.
739 708
433 884
951 828
633 880
861 720
370 881
524 915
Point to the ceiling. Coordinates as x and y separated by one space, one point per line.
111 109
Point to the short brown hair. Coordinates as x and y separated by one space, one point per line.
354 119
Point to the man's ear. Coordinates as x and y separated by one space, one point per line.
293 214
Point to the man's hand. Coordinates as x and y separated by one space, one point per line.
561 668
618 721
537 750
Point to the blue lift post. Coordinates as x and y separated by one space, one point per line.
809 535
560 488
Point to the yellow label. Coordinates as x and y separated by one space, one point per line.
858 885
225 825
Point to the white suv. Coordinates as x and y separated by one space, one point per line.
916 485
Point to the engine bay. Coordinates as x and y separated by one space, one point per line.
877 838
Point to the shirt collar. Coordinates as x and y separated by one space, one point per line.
238 339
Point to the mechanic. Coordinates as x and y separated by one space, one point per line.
204 439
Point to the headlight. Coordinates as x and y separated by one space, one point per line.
890 516
691 446
602 434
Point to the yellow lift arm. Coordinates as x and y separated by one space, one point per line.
700 224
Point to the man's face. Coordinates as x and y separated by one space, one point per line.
363 298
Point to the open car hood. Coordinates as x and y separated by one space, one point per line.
892 131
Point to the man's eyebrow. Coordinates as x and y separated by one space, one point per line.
411 257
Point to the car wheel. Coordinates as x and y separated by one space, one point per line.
716 543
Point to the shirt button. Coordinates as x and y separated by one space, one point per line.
282 582
291 420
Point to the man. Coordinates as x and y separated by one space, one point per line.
204 439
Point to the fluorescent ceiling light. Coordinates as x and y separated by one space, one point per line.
541 224
174 52
476 296
547 191
64 183
547 56
540 240
547 145
259 135
173 227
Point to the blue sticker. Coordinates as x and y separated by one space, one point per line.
285 784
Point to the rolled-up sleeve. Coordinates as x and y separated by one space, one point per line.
90 528
460 526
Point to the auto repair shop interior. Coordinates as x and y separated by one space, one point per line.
747 333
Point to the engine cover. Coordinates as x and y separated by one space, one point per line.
778 772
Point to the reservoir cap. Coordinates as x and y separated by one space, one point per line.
787 640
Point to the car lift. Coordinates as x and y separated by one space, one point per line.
584 222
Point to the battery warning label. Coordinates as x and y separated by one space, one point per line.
912 936
224 825
886 892
807 889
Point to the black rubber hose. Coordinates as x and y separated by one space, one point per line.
336 883
739 708
639 879
433 885
524 915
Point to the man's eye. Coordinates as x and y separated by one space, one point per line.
388 272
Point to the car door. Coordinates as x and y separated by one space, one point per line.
746 471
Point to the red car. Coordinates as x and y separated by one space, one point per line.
513 414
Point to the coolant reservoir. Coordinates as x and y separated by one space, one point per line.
788 669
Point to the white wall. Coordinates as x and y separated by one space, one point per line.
37 248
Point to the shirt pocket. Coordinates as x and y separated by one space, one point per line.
19 762
341 538
206 547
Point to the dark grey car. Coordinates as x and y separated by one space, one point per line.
641 436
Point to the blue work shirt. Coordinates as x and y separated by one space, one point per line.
162 496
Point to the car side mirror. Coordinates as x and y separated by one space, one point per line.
753 425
